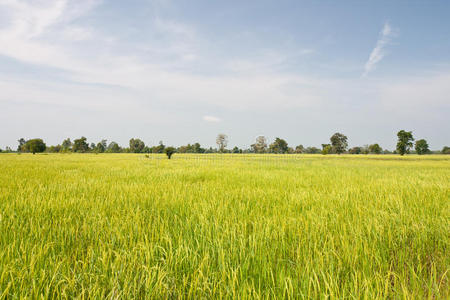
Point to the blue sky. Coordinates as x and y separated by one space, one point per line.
184 71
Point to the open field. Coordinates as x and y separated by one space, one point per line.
306 226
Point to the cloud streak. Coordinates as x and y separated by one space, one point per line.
211 119
379 52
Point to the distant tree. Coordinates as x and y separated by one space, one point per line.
236 150
92 147
299 149
338 143
22 142
445 150
422 147
279 146
404 143
222 141
54 149
355 150
159 149
312 150
101 146
113 147
260 145
66 145
169 151
34 146
326 149
197 148
136 145
80 145
375 148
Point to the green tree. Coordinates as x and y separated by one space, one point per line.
260 145
101 146
160 148
22 142
445 150
113 147
299 149
136 145
312 150
338 143
80 145
35 146
66 145
169 151
375 148
404 143
422 147
355 150
279 146
326 149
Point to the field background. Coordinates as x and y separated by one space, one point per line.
207 226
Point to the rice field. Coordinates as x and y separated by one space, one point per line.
122 226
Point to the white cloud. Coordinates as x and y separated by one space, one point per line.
379 52
211 119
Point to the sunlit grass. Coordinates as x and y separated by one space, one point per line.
230 226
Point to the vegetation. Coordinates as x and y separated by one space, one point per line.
404 144
422 147
220 226
169 151
339 143
34 146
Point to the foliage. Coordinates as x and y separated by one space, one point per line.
445 150
326 149
404 144
169 151
136 146
34 146
66 145
299 149
113 147
355 150
339 143
260 145
222 141
80 145
279 146
375 148
422 147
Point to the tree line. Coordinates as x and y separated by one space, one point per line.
338 145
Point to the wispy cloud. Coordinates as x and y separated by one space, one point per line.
211 119
379 52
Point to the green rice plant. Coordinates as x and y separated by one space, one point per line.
224 226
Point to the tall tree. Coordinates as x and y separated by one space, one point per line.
22 142
260 145
113 147
445 150
34 146
80 145
339 143
299 149
66 145
404 143
422 147
169 152
222 141
136 145
279 146
375 148
101 146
